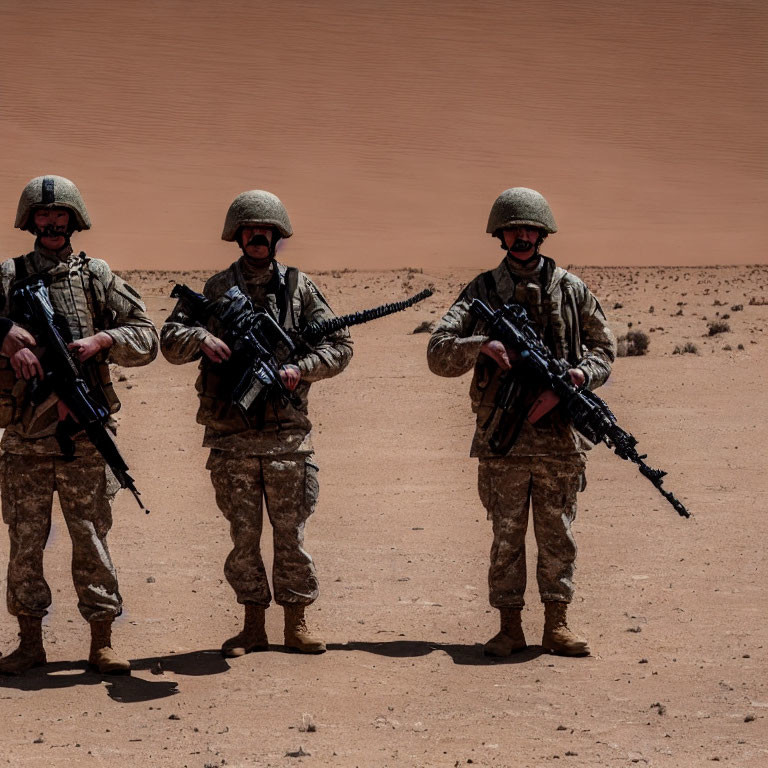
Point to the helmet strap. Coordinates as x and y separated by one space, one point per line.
534 255
276 236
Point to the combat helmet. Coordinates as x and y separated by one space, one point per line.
256 208
51 192
520 205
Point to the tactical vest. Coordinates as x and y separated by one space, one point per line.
216 410
74 298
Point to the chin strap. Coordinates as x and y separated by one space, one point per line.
536 246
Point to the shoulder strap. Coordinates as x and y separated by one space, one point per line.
490 282
20 268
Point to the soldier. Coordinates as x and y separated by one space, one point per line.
108 323
544 468
270 457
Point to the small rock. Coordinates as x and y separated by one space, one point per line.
634 629
749 718
157 668
39 739
174 717
307 724
150 579
298 753
424 327
659 707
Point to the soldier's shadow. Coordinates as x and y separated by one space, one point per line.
126 689
471 655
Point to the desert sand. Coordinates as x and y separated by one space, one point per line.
675 609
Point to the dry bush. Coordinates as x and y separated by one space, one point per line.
754 302
689 348
737 308
718 326
634 344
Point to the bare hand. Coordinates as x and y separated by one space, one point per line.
577 377
26 365
17 338
498 352
291 376
215 349
86 348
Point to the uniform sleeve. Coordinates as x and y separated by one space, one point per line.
5 322
454 344
330 356
597 339
134 336
180 338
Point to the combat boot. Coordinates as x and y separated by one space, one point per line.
30 652
510 637
252 638
102 655
558 638
297 636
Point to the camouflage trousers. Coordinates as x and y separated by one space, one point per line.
86 490
548 485
287 485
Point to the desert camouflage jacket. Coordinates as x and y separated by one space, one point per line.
572 324
91 298
286 429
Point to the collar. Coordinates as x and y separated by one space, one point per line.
254 274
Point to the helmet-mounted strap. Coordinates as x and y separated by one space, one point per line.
49 196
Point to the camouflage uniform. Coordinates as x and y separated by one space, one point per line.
274 462
545 466
90 298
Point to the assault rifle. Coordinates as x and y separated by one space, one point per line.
260 346
252 373
589 414
63 377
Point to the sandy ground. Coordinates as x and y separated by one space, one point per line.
675 609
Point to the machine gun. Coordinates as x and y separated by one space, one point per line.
588 413
254 337
63 377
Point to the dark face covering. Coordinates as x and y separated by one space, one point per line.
258 240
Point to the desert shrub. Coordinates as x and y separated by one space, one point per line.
689 348
755 302
718 303
633 344
725 316
737 308
718 326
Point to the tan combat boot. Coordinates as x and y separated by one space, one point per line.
252 638
297 636
510 637
102 656
30 652
557 637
